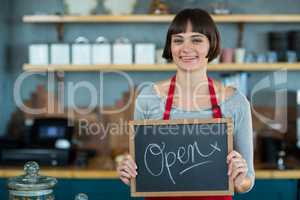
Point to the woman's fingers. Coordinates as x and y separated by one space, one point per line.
130 166
124 175
231 165
239 163
229 168
131 161
237 168
236 163
233 154
127 169
125 180
238 171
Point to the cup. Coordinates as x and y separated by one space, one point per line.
291 56
250 57
239 55
227 55
144 53
261 58
272 57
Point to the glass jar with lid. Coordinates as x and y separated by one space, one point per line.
31 186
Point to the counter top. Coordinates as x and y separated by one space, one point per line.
64 173
76 173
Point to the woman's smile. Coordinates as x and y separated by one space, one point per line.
188 59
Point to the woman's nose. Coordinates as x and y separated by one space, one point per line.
187 46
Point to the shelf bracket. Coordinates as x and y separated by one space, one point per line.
60 31
241 27
60 36
60 75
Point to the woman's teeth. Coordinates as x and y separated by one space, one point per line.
188 58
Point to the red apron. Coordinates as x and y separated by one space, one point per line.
216 114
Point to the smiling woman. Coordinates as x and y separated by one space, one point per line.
192 42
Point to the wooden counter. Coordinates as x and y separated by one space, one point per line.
101 174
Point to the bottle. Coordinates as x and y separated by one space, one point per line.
281 160
81 196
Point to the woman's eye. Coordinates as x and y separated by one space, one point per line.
197 40
177 41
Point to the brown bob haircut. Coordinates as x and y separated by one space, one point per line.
202 23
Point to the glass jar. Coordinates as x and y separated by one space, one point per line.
31 186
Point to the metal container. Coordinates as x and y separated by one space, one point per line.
31 186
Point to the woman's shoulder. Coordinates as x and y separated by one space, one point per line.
150 97
158 89
230 95
148 92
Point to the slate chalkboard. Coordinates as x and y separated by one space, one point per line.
181 157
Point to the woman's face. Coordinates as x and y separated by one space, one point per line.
189 49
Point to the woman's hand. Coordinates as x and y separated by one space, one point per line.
237 171
127 169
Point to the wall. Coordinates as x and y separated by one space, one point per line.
4 68
21 35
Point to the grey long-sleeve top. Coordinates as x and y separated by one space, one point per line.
148 105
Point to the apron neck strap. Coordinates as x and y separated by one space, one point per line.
169 101
213 100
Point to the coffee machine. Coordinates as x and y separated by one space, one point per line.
46 140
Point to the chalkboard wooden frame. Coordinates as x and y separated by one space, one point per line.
134 123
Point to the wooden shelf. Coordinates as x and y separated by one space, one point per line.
101 174
277 174
162 67
64 173
234 18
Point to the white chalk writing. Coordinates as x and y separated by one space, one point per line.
183 155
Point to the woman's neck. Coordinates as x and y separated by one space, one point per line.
190 82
